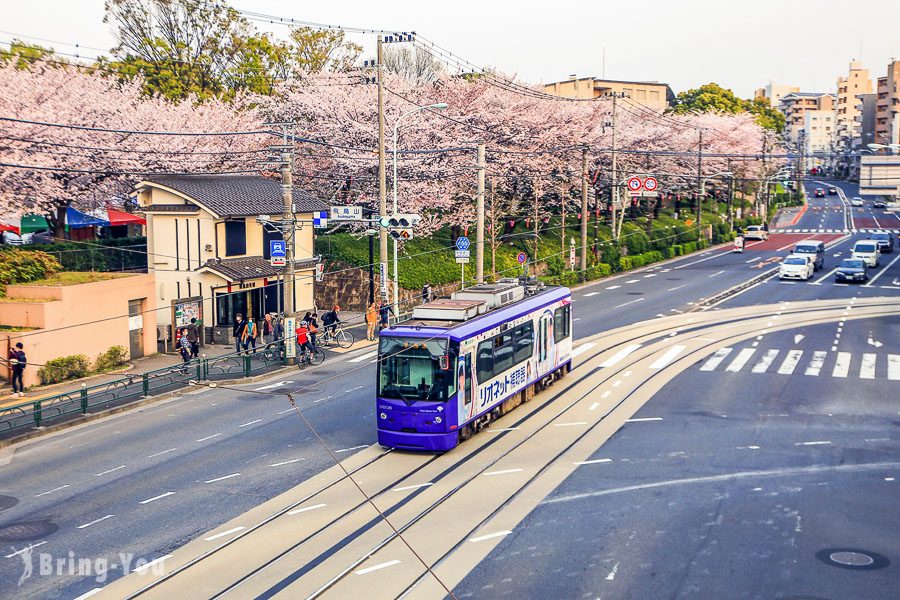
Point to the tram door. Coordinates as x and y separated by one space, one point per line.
464 376
544 335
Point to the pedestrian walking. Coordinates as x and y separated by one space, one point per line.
238 331
371 321
277 328
268 329
184 346
19 361
193 335
385 312
251 332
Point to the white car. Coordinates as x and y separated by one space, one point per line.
797 266
867 251
756 232
857 201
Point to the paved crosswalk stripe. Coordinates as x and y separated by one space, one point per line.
582 348
815 365
790 362
740 360
668 357
841 365
716 359
894 367
365 356
867 367
615 358
765 362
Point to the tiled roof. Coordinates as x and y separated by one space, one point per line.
252 267
238 195
170 208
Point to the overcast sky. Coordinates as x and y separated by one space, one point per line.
741 45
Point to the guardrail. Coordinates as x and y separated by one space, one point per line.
38 413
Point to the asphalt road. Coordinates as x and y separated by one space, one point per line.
739 484
146 481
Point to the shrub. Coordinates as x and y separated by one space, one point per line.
64 368
22 266
116 356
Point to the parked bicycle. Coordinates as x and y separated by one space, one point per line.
340 336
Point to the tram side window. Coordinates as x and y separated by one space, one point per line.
524 336
562 325
504 352
485 360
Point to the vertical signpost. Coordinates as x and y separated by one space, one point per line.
462 257
572 253
522 258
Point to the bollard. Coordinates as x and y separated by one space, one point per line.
37 413
145 384
247 365
84 399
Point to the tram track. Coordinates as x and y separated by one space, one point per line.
657 329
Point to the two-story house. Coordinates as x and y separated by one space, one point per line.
210 254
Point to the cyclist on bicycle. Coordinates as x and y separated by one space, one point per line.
331 320
303 343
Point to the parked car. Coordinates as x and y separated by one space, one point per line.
885 241
867 251
857 201
852 269
797 266
879 204
756 232
820 193
832 191
814 249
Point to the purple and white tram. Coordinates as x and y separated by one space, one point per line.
459 363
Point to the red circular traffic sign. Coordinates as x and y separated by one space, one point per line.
650 184
634 184
521 258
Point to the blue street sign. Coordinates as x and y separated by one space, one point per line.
320 219
277 248
521 257
462 243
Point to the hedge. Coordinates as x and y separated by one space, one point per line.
119 254
64 368
22 266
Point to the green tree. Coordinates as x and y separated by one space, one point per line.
712 97
766 116
323 50
25 55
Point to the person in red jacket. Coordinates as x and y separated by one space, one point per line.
303 343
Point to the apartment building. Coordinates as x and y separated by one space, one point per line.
652 94
818 128
887 106
795 105
775 92
847 122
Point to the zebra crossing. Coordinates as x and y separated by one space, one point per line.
842 365
820 230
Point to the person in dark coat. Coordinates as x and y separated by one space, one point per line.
19 361
238 331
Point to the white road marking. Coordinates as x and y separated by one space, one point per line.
632 281
614 287
143 568
748 447
582 349
630 302
284 412
593 462
889 479
867 366
643 419
95 521
365 356
351 449
274 385
62 487
617 383
250 423
894 367
412 487
815 365
753 260
209 437
765 362
108 471
489 536
155 498
307 508
504 429
740 360
716 359
618 356
819 443
89 593
716 274
287 462
650 275
504 472
25 549
841 365
223 478
163 452
676 288
224 533
589 294
572 424
668 357
790 362
612 574
594 406
377 567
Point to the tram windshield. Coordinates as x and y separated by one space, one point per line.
414 369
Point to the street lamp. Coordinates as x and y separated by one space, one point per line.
436 106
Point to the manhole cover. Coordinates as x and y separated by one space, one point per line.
852 558
7 502
27 531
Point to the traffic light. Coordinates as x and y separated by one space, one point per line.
400 226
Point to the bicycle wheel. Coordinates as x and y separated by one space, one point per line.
302 362
317 357
344 338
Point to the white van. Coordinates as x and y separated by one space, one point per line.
866 250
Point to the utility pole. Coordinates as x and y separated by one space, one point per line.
382 182
493 236
584 209
537 193
614 190
563 192
701 186
287 193
479 211
731 199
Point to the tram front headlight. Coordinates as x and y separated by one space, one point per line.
383 415
438 420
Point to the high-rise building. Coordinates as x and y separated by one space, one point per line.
846 124
795 105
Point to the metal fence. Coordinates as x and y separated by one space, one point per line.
38 413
